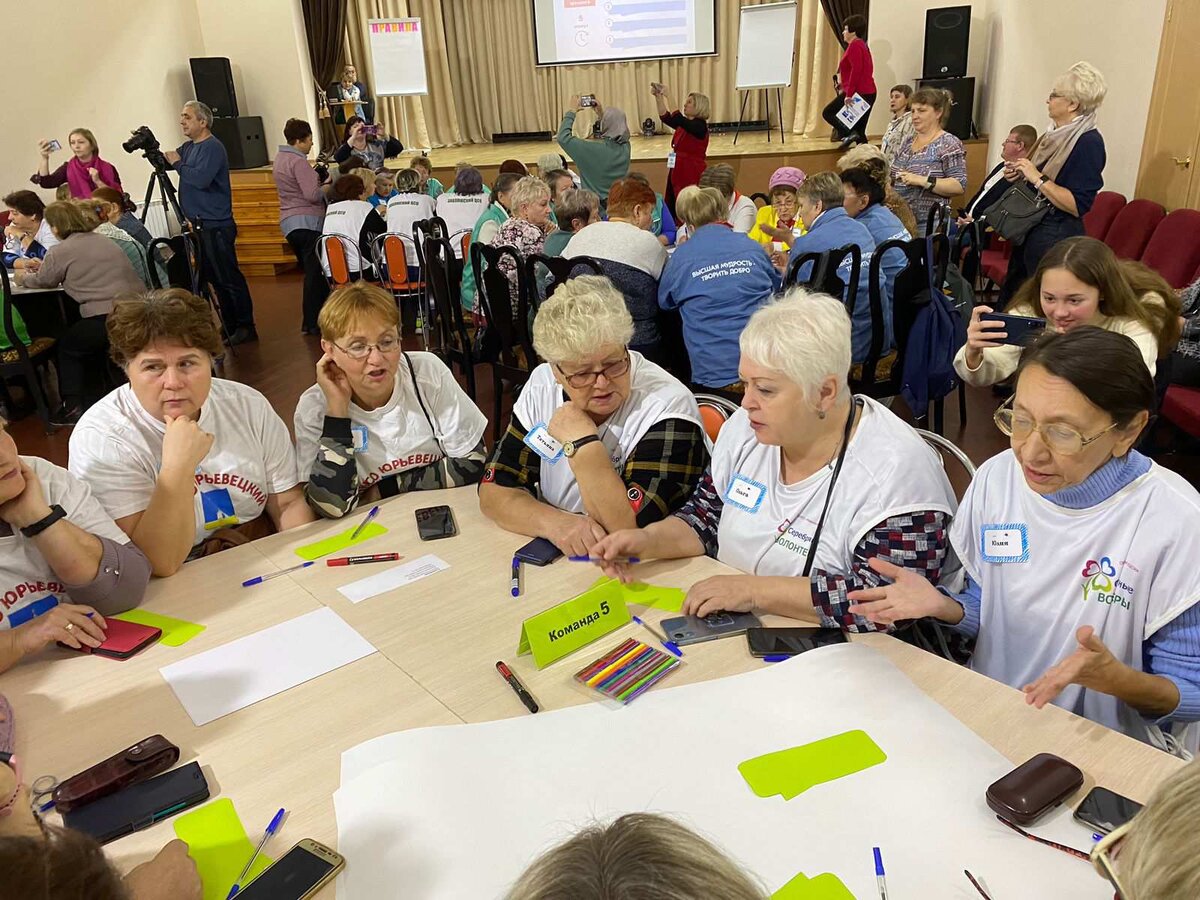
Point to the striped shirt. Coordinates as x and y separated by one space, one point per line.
943 157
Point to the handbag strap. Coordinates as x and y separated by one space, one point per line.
412 373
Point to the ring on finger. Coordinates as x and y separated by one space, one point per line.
69 626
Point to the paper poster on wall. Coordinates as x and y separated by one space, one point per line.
397 57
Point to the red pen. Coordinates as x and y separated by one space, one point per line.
519 689
369 558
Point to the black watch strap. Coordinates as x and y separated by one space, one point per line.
573 446
56 513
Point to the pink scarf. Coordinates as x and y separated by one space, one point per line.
80 181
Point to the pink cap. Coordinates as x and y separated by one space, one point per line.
786 176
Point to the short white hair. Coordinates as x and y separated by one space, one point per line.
202 111
529 189
582 317
1084 84
802 334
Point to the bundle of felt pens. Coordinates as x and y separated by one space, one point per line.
628 671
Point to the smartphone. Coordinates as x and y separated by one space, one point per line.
121 639
141 805
1103 810
791 641
55 145
693 629
538 552
298 874
587 100
1021 330
435 523
372 131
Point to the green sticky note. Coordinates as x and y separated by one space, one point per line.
574 623
339 542
218 843
175 632
793 771
824 887
664 598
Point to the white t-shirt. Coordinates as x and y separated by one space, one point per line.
117 449
345 219
1124 566
460 212
742 213
25 576
655 394
396 436
405 209
888 471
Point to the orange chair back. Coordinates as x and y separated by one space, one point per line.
712 419
395 256
335 255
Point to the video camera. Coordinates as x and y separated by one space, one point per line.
143 139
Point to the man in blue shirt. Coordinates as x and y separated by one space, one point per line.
207 201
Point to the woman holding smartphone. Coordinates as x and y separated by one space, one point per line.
83 172
689 142
1078 282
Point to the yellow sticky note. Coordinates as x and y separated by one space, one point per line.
824 887
339 542
793 771
175 632
218 843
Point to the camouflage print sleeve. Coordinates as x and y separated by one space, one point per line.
445 473
332 488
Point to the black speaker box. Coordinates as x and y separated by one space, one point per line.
213 81
243 140
947 34
963 92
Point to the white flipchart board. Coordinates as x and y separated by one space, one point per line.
766 44
397 57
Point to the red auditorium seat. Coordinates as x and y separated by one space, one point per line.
993 261
1181 407
1132 228
1174 248
1099 218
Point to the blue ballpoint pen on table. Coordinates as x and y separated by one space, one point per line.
364 523
515 584
259 579
267 835
596 559
879 878
661 638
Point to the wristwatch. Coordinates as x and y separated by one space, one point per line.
1042 180
570 448
56 513
931 181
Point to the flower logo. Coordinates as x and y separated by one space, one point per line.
1099 576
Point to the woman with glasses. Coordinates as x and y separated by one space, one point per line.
1079 552
379 421
1079 281
186 464
808 483
601 438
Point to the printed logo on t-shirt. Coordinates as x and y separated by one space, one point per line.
218 509
395 466
636 497
1101 584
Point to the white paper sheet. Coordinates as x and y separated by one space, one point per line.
235 675
848 115
397 576
459 811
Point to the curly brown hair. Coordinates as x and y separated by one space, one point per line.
171 314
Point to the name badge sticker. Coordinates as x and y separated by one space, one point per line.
1005 543
745 493
671 160
545 445
359 433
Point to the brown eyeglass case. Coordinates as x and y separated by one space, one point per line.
145 759
1033 788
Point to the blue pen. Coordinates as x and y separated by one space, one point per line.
259 579
879 879
662 639
515 584
364 523
596 559
271 829
781 657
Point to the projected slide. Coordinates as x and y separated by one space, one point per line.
578 31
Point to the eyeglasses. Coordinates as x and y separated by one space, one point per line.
1061 439
1104 856
361 349
1055 95
586 379
1078 854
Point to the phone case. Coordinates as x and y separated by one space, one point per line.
693 630
790 641
145 759
140 805
1033 788
426 513
121 639
538 552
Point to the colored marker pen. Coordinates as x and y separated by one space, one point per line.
516 577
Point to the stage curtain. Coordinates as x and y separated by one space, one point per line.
838 11
324 25
483 78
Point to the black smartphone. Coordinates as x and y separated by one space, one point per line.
299 873
140 805
1103 810
1019 330
693 629
538 552
436 522
791 641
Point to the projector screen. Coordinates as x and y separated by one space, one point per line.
590 31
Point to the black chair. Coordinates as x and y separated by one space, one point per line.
824 274
558 270
937 220
434 227
29 362
514 357
453 343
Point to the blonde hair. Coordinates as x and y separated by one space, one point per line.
702 105
367 176
408 181
90 211
529 189
639 855
583 316
1158 857
91 138
67 218
1084 84
802 334
700 206
720 176
353 303
421 162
